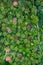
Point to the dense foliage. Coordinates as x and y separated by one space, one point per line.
21 32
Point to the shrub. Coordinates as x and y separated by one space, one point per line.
21 32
